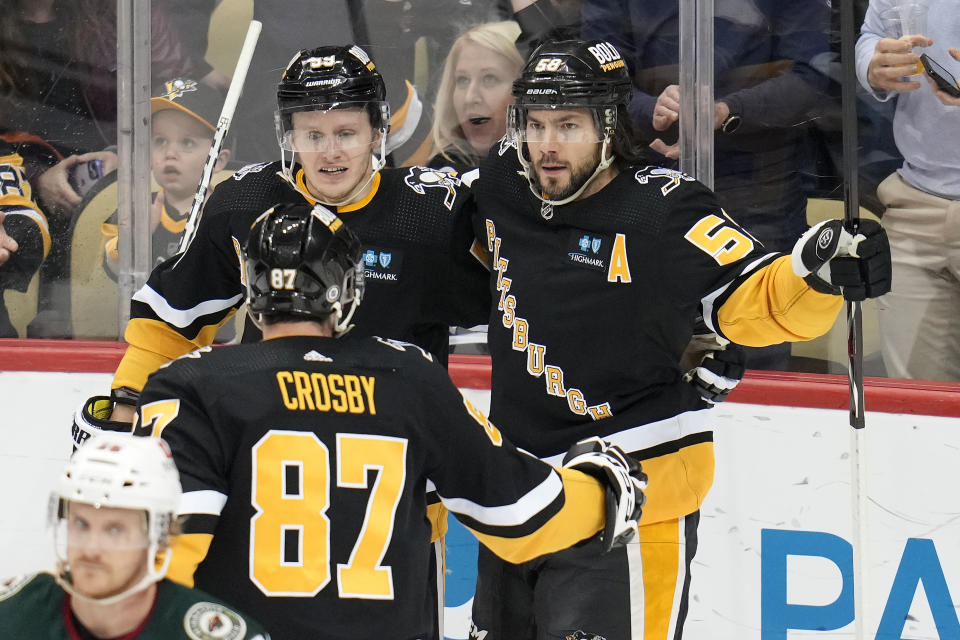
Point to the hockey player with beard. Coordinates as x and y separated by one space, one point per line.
600 266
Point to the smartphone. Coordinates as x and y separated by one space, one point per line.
944 79
84 175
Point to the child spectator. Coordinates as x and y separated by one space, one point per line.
182 131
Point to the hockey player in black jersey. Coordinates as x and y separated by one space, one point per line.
305 459
331 123
600 265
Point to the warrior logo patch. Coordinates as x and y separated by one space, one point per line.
381 264
420 178
588 250
212 621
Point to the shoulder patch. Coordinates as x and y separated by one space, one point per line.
506 142
669 179
420 178
12 586
212 621
250 168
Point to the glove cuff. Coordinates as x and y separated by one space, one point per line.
93 416
817 283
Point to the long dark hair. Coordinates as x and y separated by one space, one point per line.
627 149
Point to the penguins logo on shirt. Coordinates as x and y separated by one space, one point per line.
421 178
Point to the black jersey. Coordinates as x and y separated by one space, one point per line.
36 607
306 462
420 275
164 240
24 221
595 300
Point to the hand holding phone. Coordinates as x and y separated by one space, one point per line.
943 78
84 175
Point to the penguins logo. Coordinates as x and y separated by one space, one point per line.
420 178
174 89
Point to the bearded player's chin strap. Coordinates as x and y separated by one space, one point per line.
527 173
377 163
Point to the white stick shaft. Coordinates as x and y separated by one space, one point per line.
223 125
861 558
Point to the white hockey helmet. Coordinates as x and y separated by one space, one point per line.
127 472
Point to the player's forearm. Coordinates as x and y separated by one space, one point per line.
152 343
775 305
581 516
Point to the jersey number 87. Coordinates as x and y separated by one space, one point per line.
290 533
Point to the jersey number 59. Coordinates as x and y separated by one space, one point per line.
290 533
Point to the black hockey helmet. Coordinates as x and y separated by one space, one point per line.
583 73
570 74
303 261
329 77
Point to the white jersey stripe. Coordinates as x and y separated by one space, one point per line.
207 501
637 592
508 515
653 433
181 317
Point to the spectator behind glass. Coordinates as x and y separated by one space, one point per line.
471 107
24 237
181 135
919 332
765 88
59 63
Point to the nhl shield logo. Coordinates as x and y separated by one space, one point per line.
385 259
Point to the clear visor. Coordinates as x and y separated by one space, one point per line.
341 126
92 529
564 124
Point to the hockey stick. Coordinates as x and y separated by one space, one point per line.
851 216
223 125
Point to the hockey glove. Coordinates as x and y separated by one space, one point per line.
624 481
93 416
721 370
831 260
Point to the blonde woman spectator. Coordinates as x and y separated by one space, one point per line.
471 108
